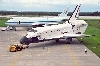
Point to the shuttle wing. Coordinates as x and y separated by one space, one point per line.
67 35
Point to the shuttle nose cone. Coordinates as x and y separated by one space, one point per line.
24 40
27 41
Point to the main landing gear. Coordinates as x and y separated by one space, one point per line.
57 40
69 40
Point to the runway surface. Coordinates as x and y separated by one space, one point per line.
54 54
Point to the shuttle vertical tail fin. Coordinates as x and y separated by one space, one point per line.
75 14
64 13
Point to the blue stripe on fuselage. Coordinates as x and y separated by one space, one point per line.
47 21
32 22
20 22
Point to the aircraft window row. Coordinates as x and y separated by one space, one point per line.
54 31
58 30
47 21
20 22
65 32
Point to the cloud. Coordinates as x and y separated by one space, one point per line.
32 2
85 1
41 4
44 3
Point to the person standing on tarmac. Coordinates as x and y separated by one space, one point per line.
85 50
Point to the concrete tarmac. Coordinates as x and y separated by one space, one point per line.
53 54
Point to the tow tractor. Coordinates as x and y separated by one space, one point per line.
16 47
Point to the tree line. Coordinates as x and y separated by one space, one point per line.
46 13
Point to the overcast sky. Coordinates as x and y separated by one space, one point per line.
49 5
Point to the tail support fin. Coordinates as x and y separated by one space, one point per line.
64 13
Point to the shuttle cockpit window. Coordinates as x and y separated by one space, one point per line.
32 30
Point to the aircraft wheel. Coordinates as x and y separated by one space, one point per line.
57 40
20 49
14 29
15 50
69 40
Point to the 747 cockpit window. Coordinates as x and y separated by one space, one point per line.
32 30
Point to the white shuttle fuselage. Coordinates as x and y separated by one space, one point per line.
48 32
55 32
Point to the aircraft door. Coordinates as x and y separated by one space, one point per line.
18 22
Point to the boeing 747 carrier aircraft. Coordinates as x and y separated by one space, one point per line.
35 21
